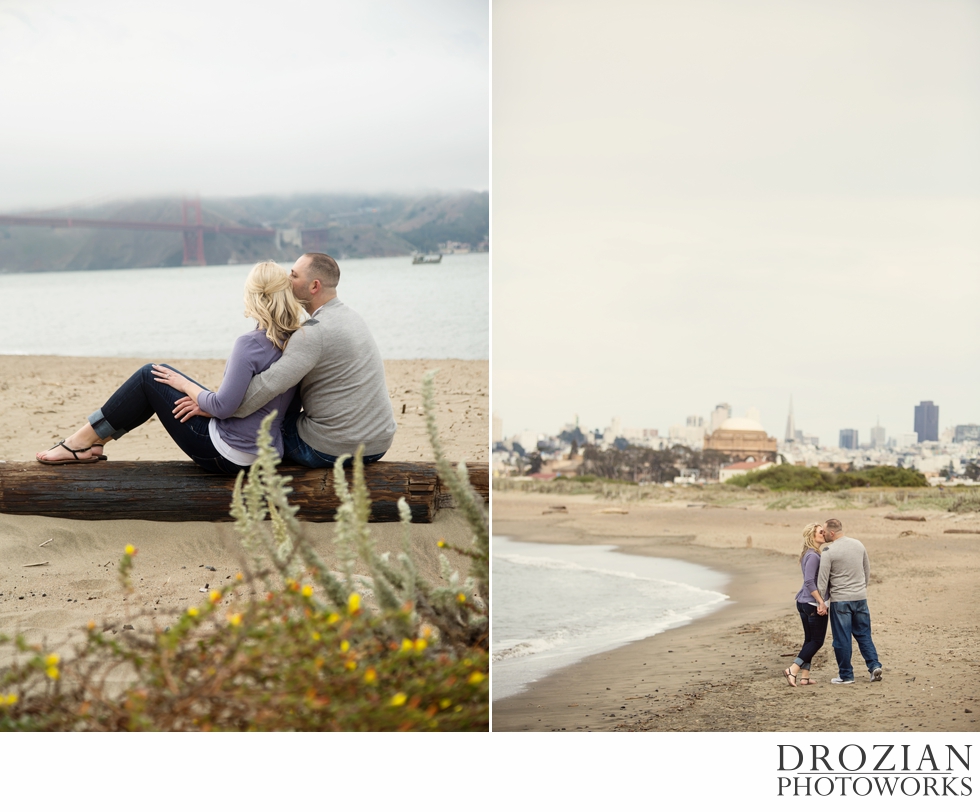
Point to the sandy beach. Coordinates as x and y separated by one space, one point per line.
45 398
723 672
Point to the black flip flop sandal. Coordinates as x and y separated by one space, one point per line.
74 452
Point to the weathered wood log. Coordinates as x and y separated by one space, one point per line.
899 518
961 530
182 492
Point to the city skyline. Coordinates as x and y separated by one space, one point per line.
867 435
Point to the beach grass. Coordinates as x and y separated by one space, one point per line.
287 644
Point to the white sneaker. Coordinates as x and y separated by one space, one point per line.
876 674
839 681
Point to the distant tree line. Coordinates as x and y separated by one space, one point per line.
638 464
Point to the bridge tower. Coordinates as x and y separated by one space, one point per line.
193 237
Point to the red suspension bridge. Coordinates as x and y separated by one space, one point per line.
191 226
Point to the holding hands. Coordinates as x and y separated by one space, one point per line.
186 408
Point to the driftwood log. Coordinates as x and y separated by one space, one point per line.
182 492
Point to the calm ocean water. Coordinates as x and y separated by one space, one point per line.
414 311
556 604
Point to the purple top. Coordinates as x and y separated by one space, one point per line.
252 354
810 566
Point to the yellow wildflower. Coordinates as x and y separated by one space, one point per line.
130 549
445 703
52 672
353 603
307 591
398 699
407 644
215 596
52 659
235 619
461 598
441 543
291 584
333 617
350 665
91 625
476 678
316 635
420 644
239 576
192 611
370 676
344 646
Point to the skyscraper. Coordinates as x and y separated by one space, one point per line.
790 424
721 413
927 421
877 435
848 438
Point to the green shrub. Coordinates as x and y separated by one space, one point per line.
307 654
797 478
882 476
787 478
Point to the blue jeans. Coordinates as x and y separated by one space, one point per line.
814 633
143 396
299 452
852 618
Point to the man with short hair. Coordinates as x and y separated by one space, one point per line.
845 568
342 379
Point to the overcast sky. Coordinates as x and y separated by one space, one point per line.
109 97
700 202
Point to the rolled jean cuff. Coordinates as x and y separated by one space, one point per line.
103 427
803 666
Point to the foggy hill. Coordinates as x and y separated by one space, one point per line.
348 225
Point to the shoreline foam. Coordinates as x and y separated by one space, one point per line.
723 671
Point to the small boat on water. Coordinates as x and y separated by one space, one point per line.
426 259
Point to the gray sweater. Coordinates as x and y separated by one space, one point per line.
845 567
342 384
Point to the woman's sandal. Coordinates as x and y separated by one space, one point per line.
807 681
101 447
790 677
74 452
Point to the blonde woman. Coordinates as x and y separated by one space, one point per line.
811 606
212 438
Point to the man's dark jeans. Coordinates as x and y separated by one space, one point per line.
143 396
847 618
299 452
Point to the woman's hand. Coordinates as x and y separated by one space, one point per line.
171 378
186 408
821 608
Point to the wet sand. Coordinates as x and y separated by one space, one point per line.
723 672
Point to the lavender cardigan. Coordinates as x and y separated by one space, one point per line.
252 353
810 566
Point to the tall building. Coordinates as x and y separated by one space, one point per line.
790 424
927 421
721 413
498 429
848 438
877 435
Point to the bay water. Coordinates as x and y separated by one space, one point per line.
556 604
413 311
